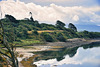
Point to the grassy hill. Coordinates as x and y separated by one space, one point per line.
28 32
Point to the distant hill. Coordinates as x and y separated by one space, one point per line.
92 28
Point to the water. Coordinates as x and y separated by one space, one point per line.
84 56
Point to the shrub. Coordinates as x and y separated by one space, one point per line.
47 37
60 37
35 32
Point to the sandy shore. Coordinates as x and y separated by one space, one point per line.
70 43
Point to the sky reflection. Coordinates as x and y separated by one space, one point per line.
83 58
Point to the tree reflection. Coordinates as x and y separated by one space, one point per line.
59 55
94 44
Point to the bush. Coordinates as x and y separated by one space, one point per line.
60 37
35 32
86 34
47 37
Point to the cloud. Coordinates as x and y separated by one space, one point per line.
9 0
57 0
52 13
75 18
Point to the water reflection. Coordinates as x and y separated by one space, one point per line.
73 57
59 55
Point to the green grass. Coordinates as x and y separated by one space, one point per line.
28 42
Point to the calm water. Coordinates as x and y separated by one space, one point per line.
84 56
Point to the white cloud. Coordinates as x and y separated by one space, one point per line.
98 25
52 13
75 18
10 0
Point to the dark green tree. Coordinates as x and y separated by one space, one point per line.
11 18
72 26
60 25
36 23
31 18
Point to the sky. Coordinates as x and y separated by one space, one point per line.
65 2
79 12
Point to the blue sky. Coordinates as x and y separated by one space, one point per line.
66 2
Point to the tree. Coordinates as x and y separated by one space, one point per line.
60 25
85 32
31 18
7 49
72 26
11 18
36 23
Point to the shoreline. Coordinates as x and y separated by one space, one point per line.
75 42
71 43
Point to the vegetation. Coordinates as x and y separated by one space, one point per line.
47 37
87 34
7 51
32 31
60 37
60 25
72 26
